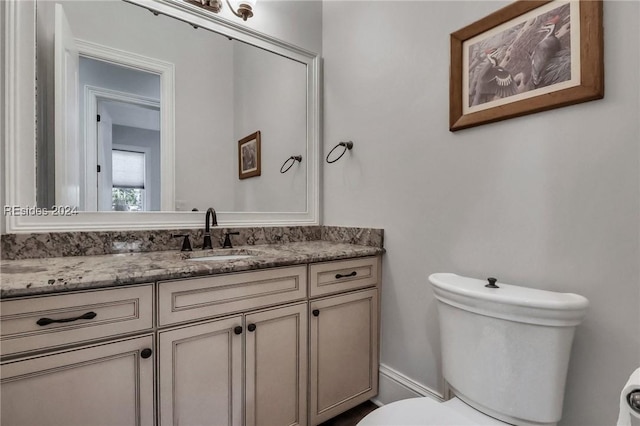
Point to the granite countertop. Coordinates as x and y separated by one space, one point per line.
58 274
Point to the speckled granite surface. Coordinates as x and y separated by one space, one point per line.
362 236
57 274
62 244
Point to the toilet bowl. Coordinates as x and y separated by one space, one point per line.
505 352
428 412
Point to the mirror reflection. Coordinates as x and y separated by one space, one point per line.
109 141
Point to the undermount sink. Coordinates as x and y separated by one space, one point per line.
218 255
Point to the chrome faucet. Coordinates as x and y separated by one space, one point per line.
207 230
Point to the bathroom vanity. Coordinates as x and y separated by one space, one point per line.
289 336
92 334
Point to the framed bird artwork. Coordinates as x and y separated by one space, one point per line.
530 56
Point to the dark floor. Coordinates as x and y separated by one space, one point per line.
353 416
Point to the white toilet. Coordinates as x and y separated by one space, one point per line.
505 353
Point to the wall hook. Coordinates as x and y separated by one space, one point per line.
291 161
347 146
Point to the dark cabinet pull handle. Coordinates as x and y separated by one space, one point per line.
353 274
315 312
251 327
237 330
47 321
186 243
146 353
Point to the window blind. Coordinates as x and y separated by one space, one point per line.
128 169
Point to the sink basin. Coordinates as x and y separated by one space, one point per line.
219 257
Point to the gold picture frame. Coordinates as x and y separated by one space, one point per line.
249 156
530 56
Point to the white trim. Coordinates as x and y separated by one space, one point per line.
19 107
203 18
395 386
67 150
114 95
20 131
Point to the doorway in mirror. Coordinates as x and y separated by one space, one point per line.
122 141
110 110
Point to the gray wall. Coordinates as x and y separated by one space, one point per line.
298 22
109 76
549 200
270 96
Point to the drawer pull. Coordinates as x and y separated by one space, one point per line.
47 321
353 274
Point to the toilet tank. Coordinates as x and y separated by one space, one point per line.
505 350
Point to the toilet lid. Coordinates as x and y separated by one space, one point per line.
427 412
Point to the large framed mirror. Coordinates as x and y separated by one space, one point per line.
131 114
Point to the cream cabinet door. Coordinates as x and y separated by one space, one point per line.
108 384
276 367
344 353
200 374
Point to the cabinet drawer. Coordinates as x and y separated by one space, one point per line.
344 275
193 299
51 321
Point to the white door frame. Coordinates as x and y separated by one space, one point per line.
93 95
166 71
66 85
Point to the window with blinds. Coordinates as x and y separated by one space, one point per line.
128 169
128 178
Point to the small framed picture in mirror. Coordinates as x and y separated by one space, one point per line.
249 156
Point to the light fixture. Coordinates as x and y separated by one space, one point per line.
245 7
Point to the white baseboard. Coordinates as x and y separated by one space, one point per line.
394 386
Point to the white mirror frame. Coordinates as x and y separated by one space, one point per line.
20 130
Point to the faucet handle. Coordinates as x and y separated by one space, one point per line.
186 243
227 239
206 245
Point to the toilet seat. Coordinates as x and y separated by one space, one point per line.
428 412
